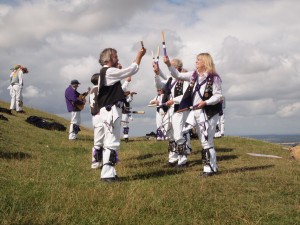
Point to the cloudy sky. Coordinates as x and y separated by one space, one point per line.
255 45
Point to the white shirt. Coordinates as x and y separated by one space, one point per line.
113 75
20 76
217 89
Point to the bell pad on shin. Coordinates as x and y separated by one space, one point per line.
172 146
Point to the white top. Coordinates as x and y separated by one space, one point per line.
113 75
217 89
17 77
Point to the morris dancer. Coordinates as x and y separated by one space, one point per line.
111 98
205 93
126 114
173 121
16 87
160 112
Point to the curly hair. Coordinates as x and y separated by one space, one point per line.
106 56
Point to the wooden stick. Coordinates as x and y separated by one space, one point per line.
138 112
164 43
158 52
163 36
264 155
142 44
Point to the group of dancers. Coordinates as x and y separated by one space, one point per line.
186 100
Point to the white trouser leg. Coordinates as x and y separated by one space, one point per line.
13 98
208 144
222 125
75 119
112 136
159 125
108 171
213 162
168 128
178 120
16 98
19 98
98 139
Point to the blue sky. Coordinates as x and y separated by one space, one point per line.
255 45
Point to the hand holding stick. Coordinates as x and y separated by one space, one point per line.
155 61
140 55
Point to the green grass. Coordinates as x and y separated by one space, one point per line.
46 179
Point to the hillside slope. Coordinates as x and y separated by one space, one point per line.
47 179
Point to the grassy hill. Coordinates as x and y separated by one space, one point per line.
46 179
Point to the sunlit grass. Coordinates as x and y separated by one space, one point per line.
46 179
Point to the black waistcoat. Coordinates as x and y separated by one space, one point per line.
211 110
109 95
188 96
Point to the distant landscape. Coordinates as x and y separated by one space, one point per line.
285 139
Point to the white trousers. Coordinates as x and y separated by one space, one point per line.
16 97
108 133
98 134
125 123
159 119
174 125
222 124
75 119
209 143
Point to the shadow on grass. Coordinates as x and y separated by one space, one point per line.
152 163
14 155
217 150
224 150
152 175
146 156
226 157
219 158
246 168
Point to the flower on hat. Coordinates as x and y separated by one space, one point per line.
17 66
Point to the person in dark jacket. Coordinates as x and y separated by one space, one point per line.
74 106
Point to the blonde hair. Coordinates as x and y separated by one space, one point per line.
208 62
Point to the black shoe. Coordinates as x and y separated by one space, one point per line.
172 164
207 174
21 111
182 165
109 180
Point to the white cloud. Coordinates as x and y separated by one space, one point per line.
81 69
33 92
292 110
256 51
